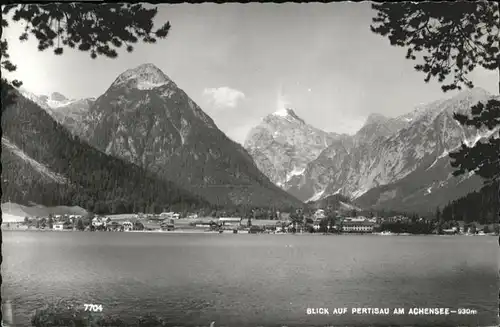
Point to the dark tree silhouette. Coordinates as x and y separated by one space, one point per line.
484 157
454 38
99 29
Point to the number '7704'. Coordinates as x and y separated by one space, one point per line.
93 307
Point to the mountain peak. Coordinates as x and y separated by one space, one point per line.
143 77
56 96
284 112
287 113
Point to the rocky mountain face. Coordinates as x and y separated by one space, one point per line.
400 162
283 144
67 112
377 126
43 163
431 183
146 119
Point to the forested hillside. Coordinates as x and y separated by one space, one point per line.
43 163
481 206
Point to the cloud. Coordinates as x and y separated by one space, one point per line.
223 97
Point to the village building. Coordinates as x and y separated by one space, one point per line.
169 215
397 218
167 225
355 219
317 224
113 226
127 226
99 222
58 227
453 230
230 221
203 225
357 226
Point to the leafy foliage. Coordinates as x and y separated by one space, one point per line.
454 38
99 29
423 227
483 158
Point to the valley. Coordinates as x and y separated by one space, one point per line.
144 119
250 164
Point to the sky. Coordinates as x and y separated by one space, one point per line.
234 60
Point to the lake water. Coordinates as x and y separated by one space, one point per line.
253 280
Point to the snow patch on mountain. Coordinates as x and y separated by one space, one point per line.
295 172
286 114
54 104
317 196
40 100
359 192
55 101
282 113
348 206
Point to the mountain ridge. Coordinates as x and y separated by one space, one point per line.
408 144
389 151
146 119
283 143
43 163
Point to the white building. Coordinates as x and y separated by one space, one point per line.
99 221
230 221
452 230
127 226
58 227
357 226
356 219
171 215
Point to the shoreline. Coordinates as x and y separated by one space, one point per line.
194 231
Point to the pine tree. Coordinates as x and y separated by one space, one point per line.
79 224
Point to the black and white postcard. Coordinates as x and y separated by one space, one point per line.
250 164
